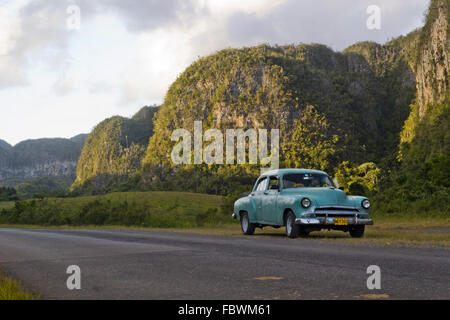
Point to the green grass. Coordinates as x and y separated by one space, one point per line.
158 200
6 204
11 289
148 209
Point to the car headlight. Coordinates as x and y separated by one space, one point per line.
306 203
365 204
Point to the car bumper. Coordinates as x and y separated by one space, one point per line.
331 221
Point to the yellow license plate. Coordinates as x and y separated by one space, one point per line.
341 221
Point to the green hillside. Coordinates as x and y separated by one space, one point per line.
113 152
330 107
376 116
420 180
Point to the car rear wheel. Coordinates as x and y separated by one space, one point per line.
292 229
357 231
247 227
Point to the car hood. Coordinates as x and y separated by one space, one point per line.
321 196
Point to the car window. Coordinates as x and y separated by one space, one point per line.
309 180
261 184
274 183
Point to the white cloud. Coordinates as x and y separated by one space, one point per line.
227 7
10 74
337 24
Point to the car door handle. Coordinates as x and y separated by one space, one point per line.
265 192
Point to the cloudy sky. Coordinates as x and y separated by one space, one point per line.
60 75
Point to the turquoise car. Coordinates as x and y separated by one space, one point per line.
303 201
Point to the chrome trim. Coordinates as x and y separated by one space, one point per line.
310 211
340 207
234 216
330 221
307 221
346 213
332 209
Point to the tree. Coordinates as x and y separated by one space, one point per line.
311 144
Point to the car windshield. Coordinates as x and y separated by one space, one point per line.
307 180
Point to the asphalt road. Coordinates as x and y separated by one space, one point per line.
158 265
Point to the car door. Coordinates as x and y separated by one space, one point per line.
258 194
269 200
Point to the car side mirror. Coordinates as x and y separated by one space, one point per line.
244 194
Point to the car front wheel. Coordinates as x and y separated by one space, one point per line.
247 227
292 229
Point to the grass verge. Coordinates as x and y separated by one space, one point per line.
415 234
435 233
11 289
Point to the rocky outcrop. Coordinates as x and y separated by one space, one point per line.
364 94
51 168
433 68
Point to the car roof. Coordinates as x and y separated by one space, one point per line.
286 171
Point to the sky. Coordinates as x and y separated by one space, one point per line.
67 65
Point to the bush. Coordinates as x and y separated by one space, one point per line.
172 210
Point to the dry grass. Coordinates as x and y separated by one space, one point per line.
11 289
389 233
418 233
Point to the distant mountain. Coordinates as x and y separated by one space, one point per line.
80 139
49 166
41 157
113 151
5 145
4 149
24 166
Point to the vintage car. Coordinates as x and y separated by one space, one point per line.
303 201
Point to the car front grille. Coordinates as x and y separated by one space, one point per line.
336 212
